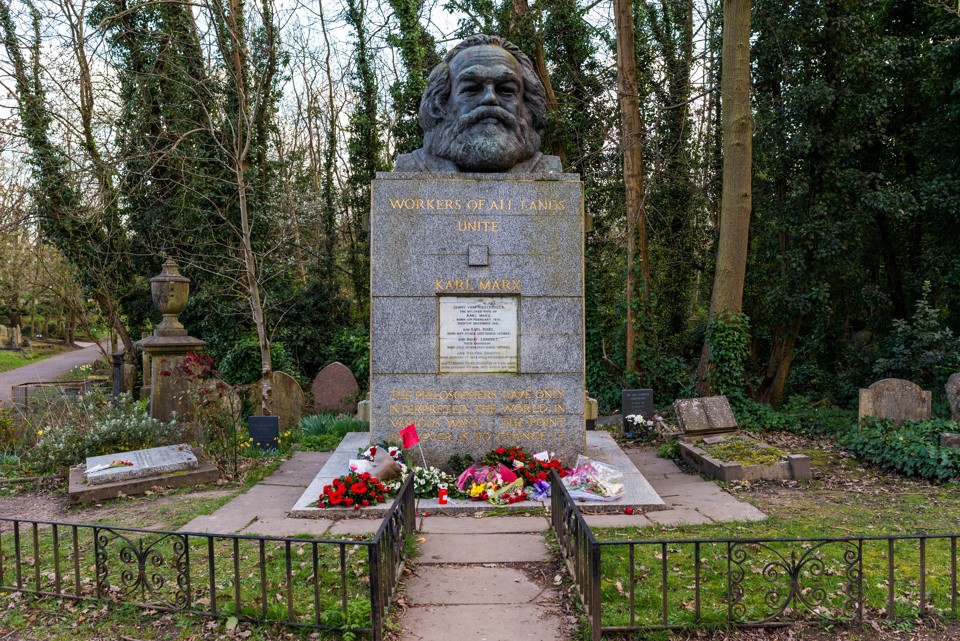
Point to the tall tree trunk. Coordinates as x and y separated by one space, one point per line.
727 297
638 271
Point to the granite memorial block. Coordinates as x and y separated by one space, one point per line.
706 415
335 390
111 468
636 401
478 356
895 399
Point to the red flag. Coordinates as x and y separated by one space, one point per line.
409 436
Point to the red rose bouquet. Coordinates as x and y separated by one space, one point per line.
353 490
530 468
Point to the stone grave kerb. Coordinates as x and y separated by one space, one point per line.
169 344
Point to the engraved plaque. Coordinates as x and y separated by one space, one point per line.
478 335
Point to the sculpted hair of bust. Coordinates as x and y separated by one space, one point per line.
483 110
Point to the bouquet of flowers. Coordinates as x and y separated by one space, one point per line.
594 480
482 482
354 490
531 468
427 481
366 459
636 427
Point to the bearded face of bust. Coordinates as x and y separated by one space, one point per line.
487 125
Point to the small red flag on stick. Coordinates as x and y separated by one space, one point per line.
409 436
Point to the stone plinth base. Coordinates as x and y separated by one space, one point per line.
639 494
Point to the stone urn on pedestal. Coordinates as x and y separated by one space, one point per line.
169 343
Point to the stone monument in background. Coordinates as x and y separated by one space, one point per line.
477 270
169 344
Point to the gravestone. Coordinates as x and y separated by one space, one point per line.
476 245
150 462
286 400
950 440
706 415
335 390
4 335
636 401
15 338
265 431
953 396
895 399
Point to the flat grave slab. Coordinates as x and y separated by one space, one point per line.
82 492
151 462
638 494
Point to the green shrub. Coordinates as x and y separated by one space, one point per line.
923 350
797 417
670 450
912 448
323 432
728 338
95 425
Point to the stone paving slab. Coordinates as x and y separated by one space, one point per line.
263 501
617 520
300 470
438 585
731 511
353 526
486 525
651 465
480 547
229 522
481 623
681 516
286 528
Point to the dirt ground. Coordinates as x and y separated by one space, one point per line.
44 502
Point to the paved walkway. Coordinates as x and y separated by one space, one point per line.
47 370
475 576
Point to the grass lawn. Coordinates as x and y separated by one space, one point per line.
845 499
10 360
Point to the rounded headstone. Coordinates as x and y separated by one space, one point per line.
335 390
286 400
895 399
953 396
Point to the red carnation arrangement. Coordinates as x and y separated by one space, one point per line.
523 464
353 490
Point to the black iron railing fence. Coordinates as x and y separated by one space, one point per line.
634 585
327 584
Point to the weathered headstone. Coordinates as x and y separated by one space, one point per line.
706 415
950 440
953 396
636 401
363 411
335 390
150 462
591 413
895 399
4 334
286 400
15 338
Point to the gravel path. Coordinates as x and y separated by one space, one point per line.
49 369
